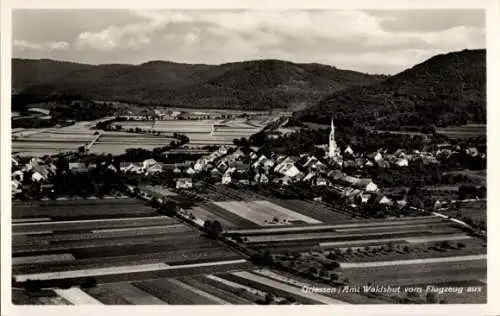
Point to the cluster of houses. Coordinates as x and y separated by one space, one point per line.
25 173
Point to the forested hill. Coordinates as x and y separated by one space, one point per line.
448 89
259 84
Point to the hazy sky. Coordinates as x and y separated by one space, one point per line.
371 41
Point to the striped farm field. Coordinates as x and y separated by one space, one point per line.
355 224
29 260
268 284
81 209
382 232
132 294
349 265
237 221
263 212
314 210
173 257
229 296
80 225
423 273
45 297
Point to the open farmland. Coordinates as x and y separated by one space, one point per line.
200 131
80 209
244 208
117 142
237 286
420 234
48 141
64 240
264 213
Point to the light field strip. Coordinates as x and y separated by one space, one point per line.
112 220
118 270
77 297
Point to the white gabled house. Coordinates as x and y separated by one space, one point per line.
183 183
148 163
37 177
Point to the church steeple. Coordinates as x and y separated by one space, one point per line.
332 144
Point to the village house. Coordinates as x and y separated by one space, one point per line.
130 167
261 178
348 151
183 183
361 183
226 178
78 167
156 168
148 163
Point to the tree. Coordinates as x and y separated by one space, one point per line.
89 282
32 286
213 228
431 298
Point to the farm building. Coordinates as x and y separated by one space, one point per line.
184 183
401 162
130 167
349 151
148 163
79 167
365 184
156 168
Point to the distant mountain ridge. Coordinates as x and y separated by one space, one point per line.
447 89
251 85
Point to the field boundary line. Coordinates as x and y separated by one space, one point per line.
347 265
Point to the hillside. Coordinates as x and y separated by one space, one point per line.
448 89
261 84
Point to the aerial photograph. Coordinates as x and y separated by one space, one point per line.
248 157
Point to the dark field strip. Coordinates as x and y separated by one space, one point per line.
179 257
109 235
322 229
419 255
76 202
20 297
333 227
340 236
228 216
107 296
80 211
430 273
172 293
152 213
70 246
112 250
94 224
265 288
228 296
290 245
241 293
